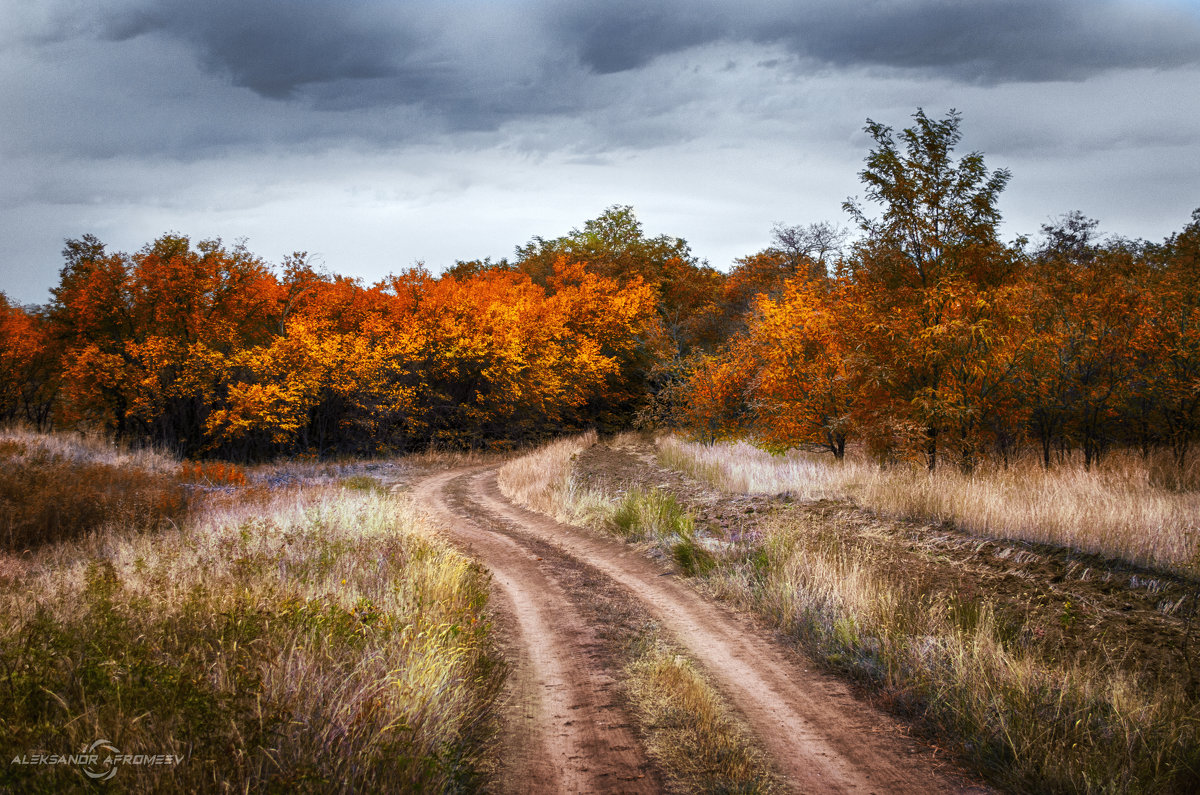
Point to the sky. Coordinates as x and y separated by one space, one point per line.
379 135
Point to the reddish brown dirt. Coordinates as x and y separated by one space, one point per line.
566 731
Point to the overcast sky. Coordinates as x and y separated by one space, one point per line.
378 134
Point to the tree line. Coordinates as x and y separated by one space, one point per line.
934 340
920 335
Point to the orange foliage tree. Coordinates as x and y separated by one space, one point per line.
1169 345
928 267
146 338
803 392
28 366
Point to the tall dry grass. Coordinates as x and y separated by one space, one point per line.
1030 724
1120 509
315 639
54 488
541 480
87 448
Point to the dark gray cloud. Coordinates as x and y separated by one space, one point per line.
998 41
479 64
623 35
979 40
275 47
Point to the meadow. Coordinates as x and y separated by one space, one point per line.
1129 507
309 633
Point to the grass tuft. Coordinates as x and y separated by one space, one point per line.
689 729
541 481
651 513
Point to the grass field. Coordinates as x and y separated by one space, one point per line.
315 637
1126 508
1024 716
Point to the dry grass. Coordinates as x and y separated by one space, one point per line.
1029 724
1121 509
52 490
541 480
689 729
315 639
86 448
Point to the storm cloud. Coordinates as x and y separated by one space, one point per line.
520 117
987 40
478 64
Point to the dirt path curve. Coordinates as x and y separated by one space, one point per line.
563 731
820 738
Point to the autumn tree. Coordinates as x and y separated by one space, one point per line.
921 269
614 245
29 364
145 337
803 390
1168 349
1085 306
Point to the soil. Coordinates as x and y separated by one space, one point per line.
565 728
1066 605
565 595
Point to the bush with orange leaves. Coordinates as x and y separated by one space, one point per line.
212 473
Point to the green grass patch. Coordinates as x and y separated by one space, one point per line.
651 514
362 483
692 558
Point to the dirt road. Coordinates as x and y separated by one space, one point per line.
566 731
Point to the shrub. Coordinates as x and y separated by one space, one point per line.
45 499
212 473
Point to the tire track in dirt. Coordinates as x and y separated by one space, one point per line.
563 730
820 738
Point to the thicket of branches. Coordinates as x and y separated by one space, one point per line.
922 336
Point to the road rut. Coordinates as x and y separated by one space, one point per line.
565 731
